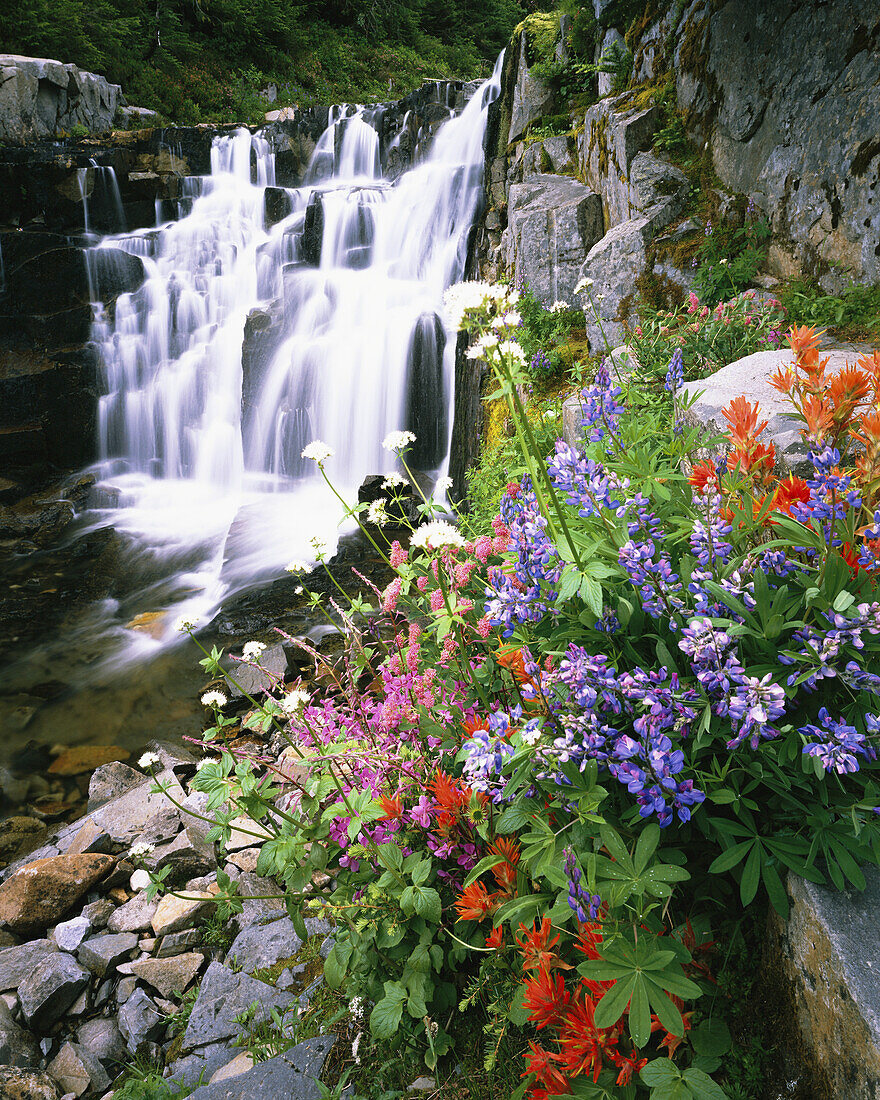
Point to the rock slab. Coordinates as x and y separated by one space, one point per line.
34 897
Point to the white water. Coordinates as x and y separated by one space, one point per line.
201 469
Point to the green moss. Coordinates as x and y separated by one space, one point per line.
541 30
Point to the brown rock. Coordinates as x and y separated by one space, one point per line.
85 758
167 976
175 914
26 1084
41 892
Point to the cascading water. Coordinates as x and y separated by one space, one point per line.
201 467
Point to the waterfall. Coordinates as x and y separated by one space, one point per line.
200 458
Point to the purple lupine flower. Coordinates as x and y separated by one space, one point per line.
837 752
675 374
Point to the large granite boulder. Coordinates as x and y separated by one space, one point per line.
750 377
532 96
614 132
41 98
553 222
615 265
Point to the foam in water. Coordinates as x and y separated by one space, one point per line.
201 467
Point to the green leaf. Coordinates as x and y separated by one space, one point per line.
730 858
336 964
647 845
613 1005
518 1014
748 886
711 1038
702 1086
662 1071
386 1014
485 864
426 902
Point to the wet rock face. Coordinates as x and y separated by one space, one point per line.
787 95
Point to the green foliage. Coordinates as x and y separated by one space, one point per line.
729 258
177 1023
856 308
196 61
144 1082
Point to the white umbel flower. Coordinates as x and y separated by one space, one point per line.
149 759
316 451
297 566
138 851
582 285
294 701
252 651
394 481
510 349
462 297
214 699
486 344
558 307
398 441
434 536
378 514
185 622
444 484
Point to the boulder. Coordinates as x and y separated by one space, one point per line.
532 97
175 943
750 377
262 901
77 1070
103 953
135 915
41 98
168 976
17 962
123 817
173 914
553 222
50 989
140 1020
263 945
111 780
17 1046
614 264
70 933
103 1038
27 1084
254 681
34 897
222 997
293 1075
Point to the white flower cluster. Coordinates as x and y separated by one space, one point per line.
185 622
316 451
582 285
433 536
378 514
510 349
486 344
462 297
214 699
294 700
297 566
319 545
398 441
138 851
149 759
443 485
558 307
252 650
394 481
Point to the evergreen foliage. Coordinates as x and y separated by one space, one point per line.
196 60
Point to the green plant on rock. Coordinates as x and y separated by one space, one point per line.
730 258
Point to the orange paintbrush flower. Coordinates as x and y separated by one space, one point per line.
476 903
546 999
703 476
583 1044
791 490
537 946
512 659
804 341
540 1063
392 808
742 418
818 417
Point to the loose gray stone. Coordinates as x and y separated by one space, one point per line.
293 1075
261 946
17 1046
175 943
103 1038
102 953
50 989
223 996
251 680
134 916
70 933
77 1070
139 1019
168 976
111 781
125 989
201 1065
17 962
123 818
257 907
97 913
614 264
